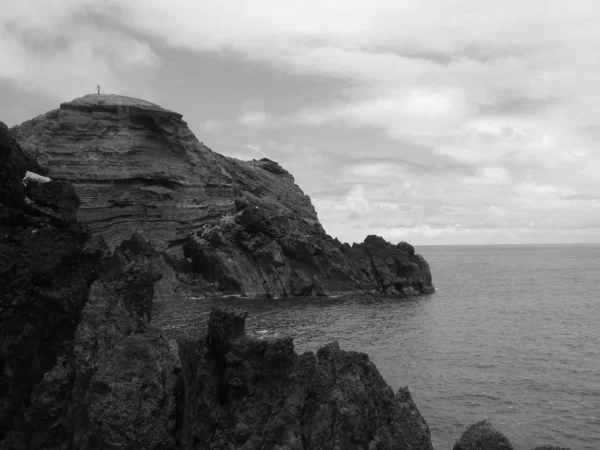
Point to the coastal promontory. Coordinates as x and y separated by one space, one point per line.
243 227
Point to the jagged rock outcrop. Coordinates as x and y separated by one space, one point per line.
138 167
244 393
115 386
45 272
247 226
262 252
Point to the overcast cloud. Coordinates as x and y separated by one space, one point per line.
433 121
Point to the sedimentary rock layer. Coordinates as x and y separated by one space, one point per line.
138 167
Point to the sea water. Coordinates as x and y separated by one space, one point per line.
512 335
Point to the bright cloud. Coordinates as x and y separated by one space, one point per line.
254 119
55 48
455 120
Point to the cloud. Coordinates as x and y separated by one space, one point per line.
212 125
47 48
358 204
478 123
254 119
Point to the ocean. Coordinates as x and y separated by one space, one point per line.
512 335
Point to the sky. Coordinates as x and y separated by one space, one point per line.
430 121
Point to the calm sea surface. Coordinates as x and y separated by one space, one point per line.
512 334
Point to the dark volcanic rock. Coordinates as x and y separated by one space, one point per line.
115 387
263 252
243 393
483 436
45 272
124 393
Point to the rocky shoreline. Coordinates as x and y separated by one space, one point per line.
83 367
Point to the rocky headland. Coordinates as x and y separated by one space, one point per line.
245 227
83 367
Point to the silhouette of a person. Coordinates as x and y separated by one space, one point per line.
98 86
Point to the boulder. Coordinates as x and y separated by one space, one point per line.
483 436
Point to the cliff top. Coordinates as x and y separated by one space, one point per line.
114 100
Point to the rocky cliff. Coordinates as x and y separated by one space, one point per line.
138 167
244 225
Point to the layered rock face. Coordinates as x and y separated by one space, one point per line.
243 393
138 167
246 225
45 272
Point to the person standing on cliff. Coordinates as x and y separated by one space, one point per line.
98 87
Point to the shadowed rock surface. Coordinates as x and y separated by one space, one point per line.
247 227
483 436
115 386
45 272
244 393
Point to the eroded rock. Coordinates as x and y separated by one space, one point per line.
263 252
244 393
